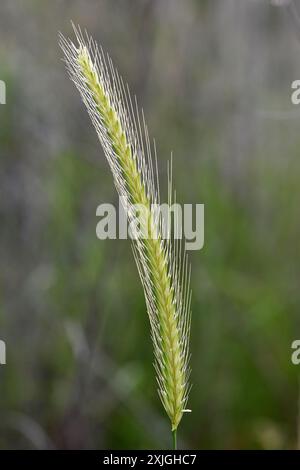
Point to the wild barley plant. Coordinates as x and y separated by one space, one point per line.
161 260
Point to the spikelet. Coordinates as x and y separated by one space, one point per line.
162 263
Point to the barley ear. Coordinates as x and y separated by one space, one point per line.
162 263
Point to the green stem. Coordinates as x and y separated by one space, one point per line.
174 439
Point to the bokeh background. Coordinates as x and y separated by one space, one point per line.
214 79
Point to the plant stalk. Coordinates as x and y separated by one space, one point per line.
174 433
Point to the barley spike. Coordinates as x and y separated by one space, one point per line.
162 263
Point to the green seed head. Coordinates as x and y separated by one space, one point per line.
164 272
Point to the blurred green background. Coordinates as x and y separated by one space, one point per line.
214 79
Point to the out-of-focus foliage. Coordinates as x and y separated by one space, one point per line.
214 80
